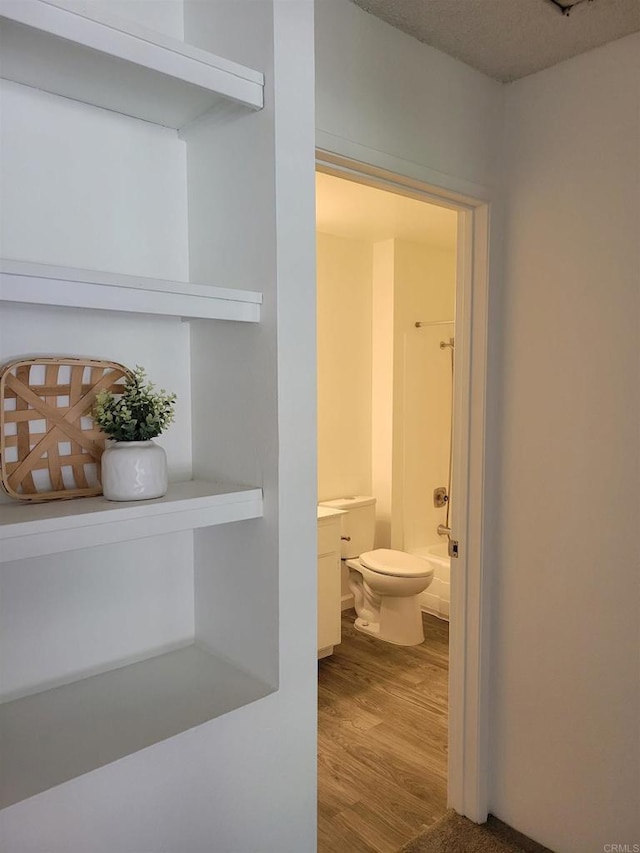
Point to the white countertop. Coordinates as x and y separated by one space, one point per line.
327 512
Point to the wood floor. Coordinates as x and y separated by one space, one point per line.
382 740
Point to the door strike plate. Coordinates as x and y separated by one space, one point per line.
454 547
440 497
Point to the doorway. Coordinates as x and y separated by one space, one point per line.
467 708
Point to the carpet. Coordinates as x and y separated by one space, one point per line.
456 834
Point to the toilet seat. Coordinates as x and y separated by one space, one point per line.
397 564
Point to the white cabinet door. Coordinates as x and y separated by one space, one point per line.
328 603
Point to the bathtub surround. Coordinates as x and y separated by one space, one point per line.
412 283
424 431
427 389
436 599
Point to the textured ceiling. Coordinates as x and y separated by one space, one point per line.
508 39
348 209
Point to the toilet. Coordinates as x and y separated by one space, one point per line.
385 583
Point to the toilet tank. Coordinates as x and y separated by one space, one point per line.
358 524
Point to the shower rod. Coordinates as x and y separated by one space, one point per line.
419 324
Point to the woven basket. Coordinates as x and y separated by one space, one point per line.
50 447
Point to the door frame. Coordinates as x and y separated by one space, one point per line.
467 790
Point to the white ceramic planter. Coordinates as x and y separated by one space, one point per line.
134 471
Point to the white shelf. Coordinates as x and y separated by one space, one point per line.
42 284
34 530
59 734
102 60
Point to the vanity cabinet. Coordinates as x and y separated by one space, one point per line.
329 584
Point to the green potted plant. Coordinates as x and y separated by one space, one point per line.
134 467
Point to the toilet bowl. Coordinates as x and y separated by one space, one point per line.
385 586
385 583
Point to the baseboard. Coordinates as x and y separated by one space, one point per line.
432 612
347 602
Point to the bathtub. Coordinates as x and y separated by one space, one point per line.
435 599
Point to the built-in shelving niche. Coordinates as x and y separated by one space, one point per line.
51 737
60 725
103 60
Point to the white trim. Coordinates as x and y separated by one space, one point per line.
469 641
44 284
361 163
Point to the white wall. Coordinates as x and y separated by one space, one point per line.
164 16
384 91
344 366
64 617
565 651
85 187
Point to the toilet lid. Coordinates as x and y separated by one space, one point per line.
396 563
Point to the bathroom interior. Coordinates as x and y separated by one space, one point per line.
386 279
